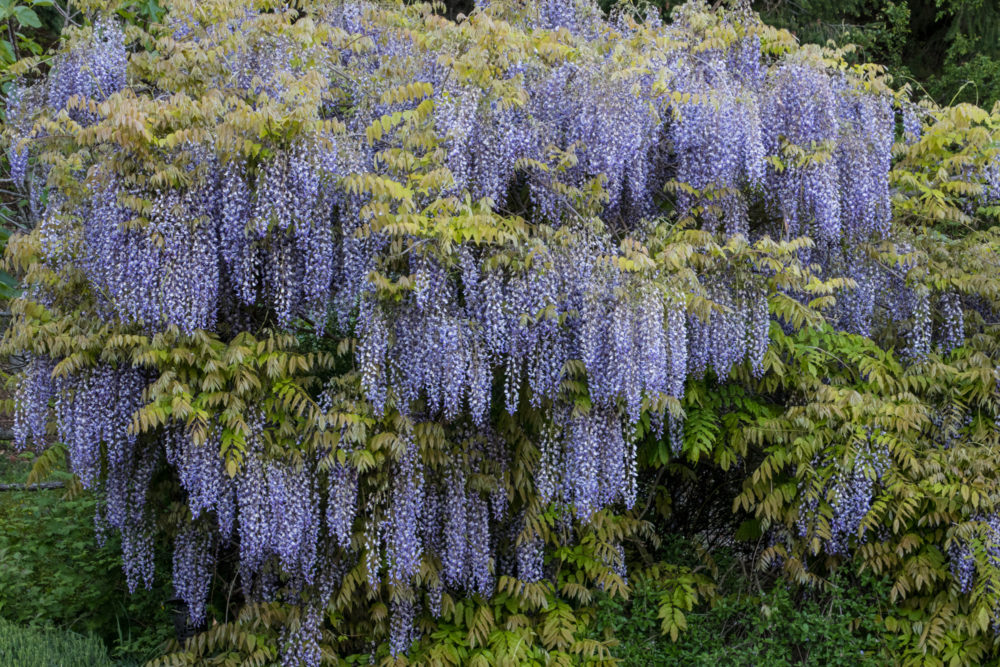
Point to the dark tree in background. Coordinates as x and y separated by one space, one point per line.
950 48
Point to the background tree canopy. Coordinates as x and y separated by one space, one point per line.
947 49
423 340
950 48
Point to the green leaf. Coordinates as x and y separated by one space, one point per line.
153 10
7 280
749 530
7 51
30 45
27 17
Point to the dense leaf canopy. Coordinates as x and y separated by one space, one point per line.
395 318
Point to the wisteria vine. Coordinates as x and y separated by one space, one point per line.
336 222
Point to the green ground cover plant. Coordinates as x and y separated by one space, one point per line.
35 647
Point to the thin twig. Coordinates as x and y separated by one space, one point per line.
32 487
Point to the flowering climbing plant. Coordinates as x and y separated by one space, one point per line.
394 307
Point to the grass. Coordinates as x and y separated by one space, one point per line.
49 647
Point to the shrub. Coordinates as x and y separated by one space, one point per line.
401 330
35 647
749 620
